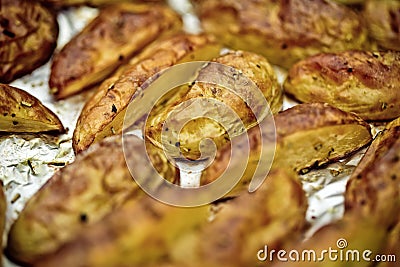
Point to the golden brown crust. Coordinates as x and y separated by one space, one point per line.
141 233
374 187
22 112
79 195
146 232
28 37
246 66
307 135
112 38
283 31
113 96
383 21
366 83
249 222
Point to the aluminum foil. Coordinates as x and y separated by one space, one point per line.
28 161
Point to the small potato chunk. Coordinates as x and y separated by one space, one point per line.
283 31
23 113
112 38
28 36
104 112
366 83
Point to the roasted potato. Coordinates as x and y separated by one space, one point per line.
310 135
148 233
271 215
22 112
28 37
365 83
248 65
112 38
283 31
392 247
307 136
95 3
383 21
374 187
79 195
103 114
138 234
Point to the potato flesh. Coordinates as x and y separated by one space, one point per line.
316 147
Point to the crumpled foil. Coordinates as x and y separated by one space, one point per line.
28 161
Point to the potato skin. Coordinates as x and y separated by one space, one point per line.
149 233
23 113
253 67
383 21
366 83
283 31
103 114
77 196
29 36
112 38
374 187
307 136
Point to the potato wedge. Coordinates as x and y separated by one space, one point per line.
23 113
103 114
246 224
365 83
374 187
146 232
392 247
307 136
112 38
253 67
383 21
28 37
139 234
78 196
283 31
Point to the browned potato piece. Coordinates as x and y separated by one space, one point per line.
248 65
65 3
392 247
22 112
103 114
307 135
114 36
146 232
283 31
141 233
271 215
383 21
365 83
376 179
79 195
28 37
